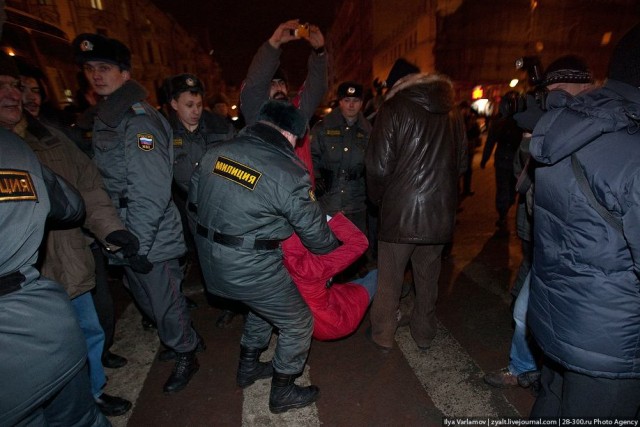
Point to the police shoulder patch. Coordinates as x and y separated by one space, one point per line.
138 108
16 186
312 195
145 141
236 172
177 142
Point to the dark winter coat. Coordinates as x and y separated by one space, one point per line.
415 155
584 307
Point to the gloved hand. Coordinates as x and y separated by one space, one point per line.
140 264
127 241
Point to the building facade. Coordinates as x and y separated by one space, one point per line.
160 47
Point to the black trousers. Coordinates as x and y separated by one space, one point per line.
566 393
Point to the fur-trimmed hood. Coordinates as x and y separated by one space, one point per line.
431 90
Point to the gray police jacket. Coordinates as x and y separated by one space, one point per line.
42 344
255 187
134 153
189 147
338 153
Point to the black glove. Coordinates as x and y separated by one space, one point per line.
126 240
140 264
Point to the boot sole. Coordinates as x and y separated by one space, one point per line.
247 383
281 409
175 390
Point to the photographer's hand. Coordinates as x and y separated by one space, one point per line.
316 39
284 33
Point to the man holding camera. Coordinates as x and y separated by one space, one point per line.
266 80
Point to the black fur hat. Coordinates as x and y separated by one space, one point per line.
96 47
284 115
185 83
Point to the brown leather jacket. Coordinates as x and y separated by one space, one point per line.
68 259
415 155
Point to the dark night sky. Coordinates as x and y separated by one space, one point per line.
236 29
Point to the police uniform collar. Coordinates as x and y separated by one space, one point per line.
270 135
112 110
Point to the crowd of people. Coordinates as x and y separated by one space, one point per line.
303 229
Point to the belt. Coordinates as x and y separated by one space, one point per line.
235 241
11 282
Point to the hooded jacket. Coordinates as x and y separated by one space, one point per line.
415 155
338 310
584 306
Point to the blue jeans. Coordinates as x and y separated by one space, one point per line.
520 357
94 336
369 282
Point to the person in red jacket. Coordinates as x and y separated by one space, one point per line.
337 308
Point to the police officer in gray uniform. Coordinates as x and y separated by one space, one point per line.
338 144
251 193
194 128
43 368
133 151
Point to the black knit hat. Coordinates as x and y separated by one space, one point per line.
350 90
96 47
567 69
184 83
625 61
280 75
8 66
284 115
400 69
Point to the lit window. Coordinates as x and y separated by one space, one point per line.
606 39
96 4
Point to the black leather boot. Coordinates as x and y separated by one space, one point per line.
285 394
250 368
186 365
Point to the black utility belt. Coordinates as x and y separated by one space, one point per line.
235 241
11 282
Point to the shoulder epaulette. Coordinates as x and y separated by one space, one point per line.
138 108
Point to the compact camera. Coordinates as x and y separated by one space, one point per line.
301 32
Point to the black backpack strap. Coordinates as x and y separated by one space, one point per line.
591 198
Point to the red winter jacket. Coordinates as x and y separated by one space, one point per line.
338 310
